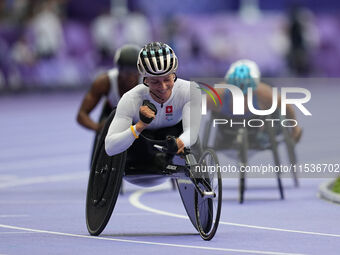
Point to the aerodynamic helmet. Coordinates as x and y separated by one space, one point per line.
244 74
126 56
157 59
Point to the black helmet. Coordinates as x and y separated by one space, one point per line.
156 59
126 56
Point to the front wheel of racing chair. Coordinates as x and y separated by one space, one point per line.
203 208
208 208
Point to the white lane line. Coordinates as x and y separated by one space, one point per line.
45 179
7 177
13 215
145 242
16 232
134 199
28 164
33 202
38 150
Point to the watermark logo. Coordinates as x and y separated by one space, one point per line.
208 92
239 99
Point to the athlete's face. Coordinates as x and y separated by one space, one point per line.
127 79
161 87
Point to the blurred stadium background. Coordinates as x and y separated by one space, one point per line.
66 43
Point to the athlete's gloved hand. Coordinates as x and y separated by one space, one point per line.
171 144
147 112
174 145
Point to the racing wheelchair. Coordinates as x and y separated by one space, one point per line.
105 113
200 191
250 140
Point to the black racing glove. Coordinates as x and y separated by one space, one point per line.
171 144
152 108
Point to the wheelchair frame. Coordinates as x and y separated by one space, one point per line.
242 145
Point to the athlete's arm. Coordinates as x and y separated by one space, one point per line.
121 133
120 136
99 88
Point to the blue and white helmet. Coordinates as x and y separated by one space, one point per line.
244 74
157 59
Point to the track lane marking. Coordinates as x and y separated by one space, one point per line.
45 179
134 199
51 161
13 215
16 232
146 242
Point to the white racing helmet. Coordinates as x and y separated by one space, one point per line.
157 59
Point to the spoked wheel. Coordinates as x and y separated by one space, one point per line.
208 208
104 185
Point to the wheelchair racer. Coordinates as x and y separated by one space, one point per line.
110 85
172 105
246 74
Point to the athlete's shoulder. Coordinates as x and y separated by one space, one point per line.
181 86
185 88
137 93
185 84
101 85
129 104
182 83
263 89
139 90
113 72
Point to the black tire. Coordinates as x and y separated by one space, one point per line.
242 145
290 144
103 185
208 211
106 111
274 148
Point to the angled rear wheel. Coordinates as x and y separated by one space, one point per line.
104 184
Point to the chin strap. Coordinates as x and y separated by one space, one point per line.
144 82
175 79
